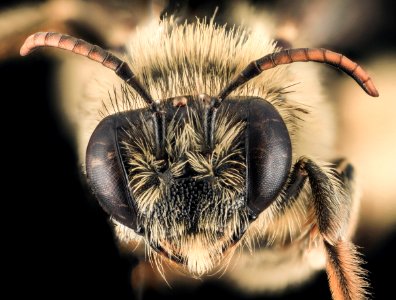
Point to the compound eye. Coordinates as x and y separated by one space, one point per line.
268 156
107 175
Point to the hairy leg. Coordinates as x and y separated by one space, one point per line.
333 205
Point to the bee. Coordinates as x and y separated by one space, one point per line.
207 161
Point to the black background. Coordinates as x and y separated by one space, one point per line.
57 240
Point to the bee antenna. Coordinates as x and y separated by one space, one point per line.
96 53
289 56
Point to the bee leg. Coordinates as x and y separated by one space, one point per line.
298 176
345 172
295 184
332 204
343 260
346 276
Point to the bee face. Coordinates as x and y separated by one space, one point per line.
188 175
195 192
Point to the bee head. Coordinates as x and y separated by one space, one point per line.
194 199
187 173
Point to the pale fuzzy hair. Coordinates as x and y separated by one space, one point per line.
199 58
184 144
173 60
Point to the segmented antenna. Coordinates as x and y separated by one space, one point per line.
289 56
96 53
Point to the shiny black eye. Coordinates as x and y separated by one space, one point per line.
106 172
268 156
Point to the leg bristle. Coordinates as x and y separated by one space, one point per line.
347 278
